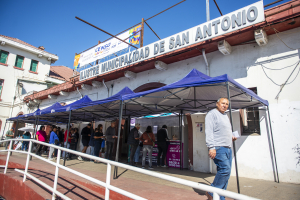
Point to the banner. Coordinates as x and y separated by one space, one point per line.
247 16
109 47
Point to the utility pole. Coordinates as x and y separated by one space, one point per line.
207 11
142 34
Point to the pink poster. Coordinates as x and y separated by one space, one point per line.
173 154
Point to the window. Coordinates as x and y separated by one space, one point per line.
33 65
250 123
19 62
3 56
1 87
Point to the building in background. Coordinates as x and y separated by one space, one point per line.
260 57
25 69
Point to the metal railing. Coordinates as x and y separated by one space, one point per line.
108 187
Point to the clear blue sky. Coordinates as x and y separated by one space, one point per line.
52 24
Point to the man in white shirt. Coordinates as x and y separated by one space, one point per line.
218 140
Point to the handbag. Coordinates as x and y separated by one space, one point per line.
141 144
151 140
103 144
56 142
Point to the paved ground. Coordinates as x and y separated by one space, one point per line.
155 188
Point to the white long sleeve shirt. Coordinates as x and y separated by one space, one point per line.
217 129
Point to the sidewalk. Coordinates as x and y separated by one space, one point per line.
150 187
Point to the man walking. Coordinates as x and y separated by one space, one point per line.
86 134
218 140
162 145
110 134
133 141
9 135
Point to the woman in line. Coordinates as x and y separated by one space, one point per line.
53 140
26 135
41 137
98 140
148 140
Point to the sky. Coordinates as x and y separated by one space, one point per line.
52 24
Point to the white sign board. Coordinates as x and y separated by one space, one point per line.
233 21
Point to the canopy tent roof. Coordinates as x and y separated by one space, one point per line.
61 113
196 92
109 108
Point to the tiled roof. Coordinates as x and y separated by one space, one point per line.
21 42
61 72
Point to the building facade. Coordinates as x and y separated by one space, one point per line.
271 70
24 70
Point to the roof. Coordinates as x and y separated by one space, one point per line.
21 42
61 72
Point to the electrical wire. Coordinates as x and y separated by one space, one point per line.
281 85
280 68
276 31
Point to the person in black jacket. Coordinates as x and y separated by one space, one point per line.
133 141
162 145
86 134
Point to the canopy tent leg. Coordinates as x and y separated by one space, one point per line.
16 131
234 150
180 132
67 136
4 130
273 144
34 131
119 133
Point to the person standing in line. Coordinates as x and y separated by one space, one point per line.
72 143
133 141
86 134
67 143
76 137
41 136
110 135
60 135
98 140
9 135
137 152
92 143
53 140
219 138
26 135
148 140
162 137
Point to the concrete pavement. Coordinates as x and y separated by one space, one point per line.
155 188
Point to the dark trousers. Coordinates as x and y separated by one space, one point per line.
162 150
97 148
132 152
39 148
109 149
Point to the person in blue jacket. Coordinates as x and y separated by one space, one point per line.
53 140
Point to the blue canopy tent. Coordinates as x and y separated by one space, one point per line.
198 92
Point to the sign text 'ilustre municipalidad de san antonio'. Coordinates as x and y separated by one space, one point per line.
241 18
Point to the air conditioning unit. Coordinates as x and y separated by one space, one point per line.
224 47
261 37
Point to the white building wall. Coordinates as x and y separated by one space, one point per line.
10 75
244 65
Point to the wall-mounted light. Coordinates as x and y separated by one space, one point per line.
129 74
96 84
2 43
161 65
40 55
224 47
